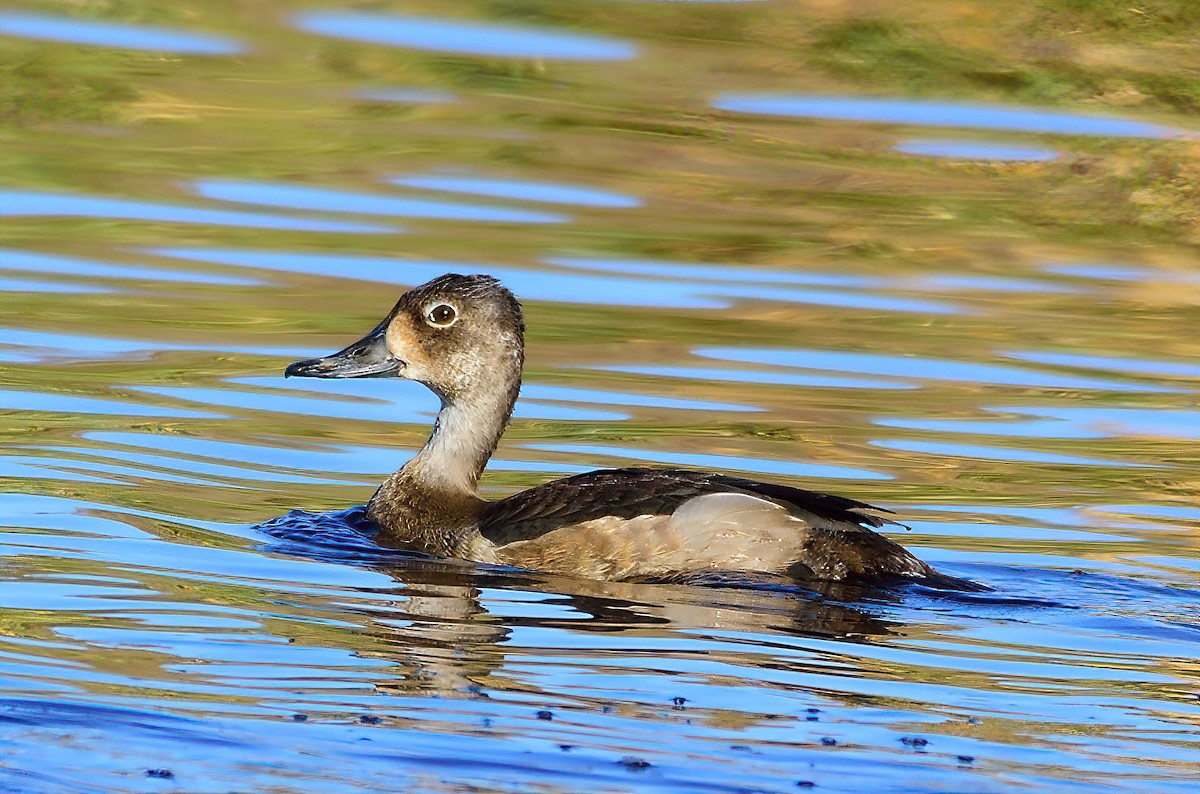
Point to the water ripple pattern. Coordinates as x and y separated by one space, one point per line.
939 114
942 261
77 30
328 200
976 150
19 203
461 36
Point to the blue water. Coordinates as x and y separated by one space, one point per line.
77 267
406 95
570 287
722 462
1110 272
462 36
976 150
310 198
113 34
923 369
20 203
939 114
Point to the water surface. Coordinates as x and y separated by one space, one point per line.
953 275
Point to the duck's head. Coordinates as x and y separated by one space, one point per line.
453 334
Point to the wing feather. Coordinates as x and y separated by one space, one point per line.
632 492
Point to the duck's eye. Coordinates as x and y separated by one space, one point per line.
442 315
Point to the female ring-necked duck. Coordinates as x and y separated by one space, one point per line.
463 337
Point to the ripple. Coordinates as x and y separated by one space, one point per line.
384 400
109 536
1072 422
69 515
217 647
942 114
541 285
997 454
1175 512
521 190
450 749
1135 366
18 203
322 458
844 300
408 95
77 346
1051 428
273 463
734 283
528 284
1060 516
167 467
980 283
82 406
329 200
760 376
60 468
1012 532
847 299
1048 428
537 391
114 34
72 345
417 400
976 150
12 259
1107 272
25 285
694 271
461 36
718 462
21 467
919 368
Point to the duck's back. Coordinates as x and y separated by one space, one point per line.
656 523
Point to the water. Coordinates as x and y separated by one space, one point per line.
938 114
952 275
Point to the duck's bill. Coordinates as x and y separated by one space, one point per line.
369 357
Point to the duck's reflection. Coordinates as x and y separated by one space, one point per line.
448 627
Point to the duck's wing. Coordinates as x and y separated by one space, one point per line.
634 492
822 510
659 523
651 523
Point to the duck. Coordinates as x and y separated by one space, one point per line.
463 337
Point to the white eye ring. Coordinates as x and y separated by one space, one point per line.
441 315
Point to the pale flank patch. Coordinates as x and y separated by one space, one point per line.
714 532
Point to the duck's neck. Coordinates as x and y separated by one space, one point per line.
434 494
464 437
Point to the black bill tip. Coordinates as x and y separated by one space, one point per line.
343 366
309 368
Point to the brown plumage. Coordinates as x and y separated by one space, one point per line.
463 337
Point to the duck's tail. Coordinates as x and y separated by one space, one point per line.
942 581
862 555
